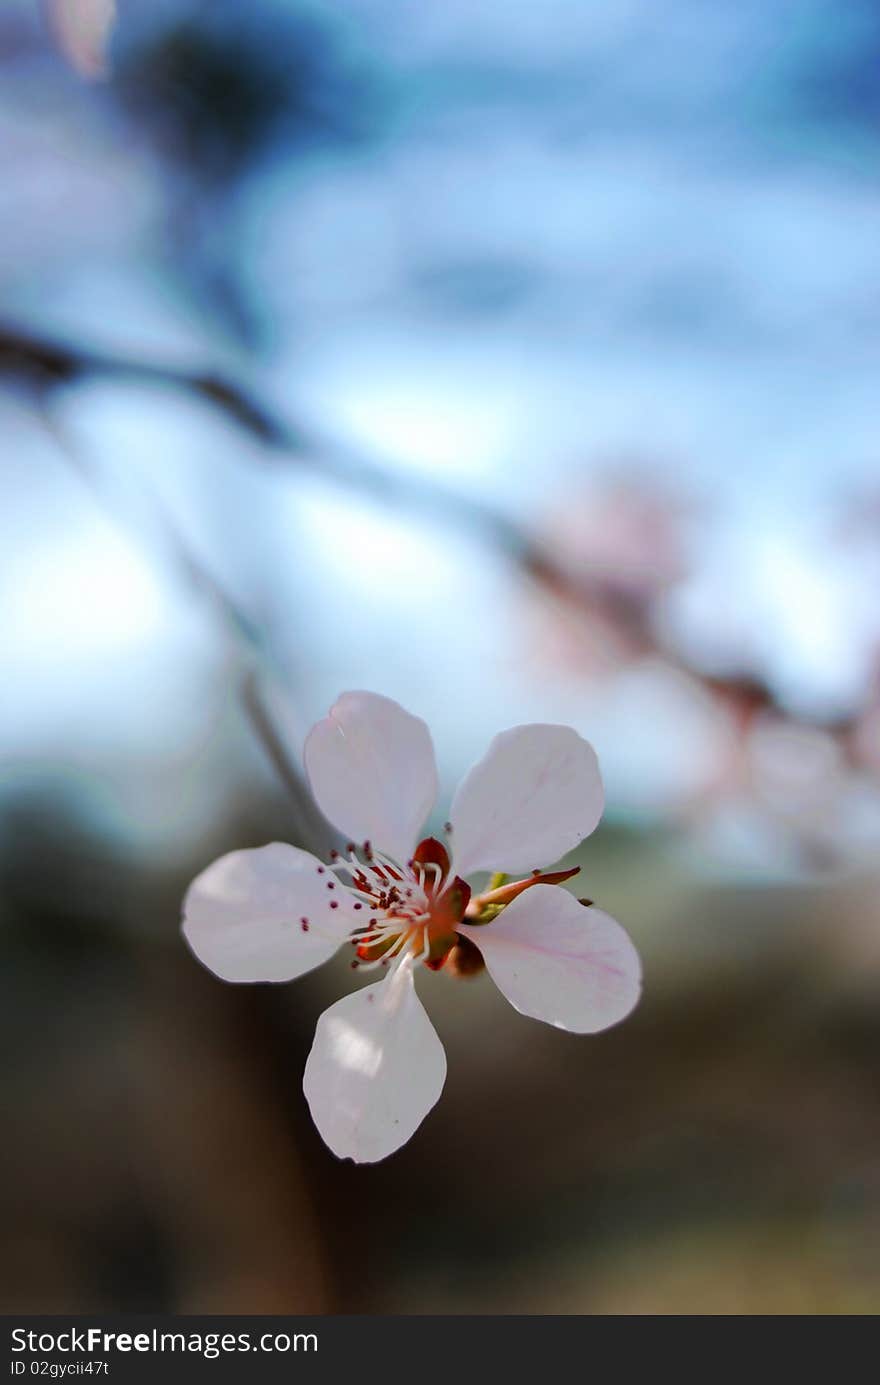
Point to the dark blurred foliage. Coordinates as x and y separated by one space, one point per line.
220 83
714 1154
840 86
218 88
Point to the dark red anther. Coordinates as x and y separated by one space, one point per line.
350 848
355 964
334 904
358 905
334 855
447 827
320 870
304 925
330 885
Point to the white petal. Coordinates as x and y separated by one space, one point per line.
372 771
559 961
536 793
375 1070
243 916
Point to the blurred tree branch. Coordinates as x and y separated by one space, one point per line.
41 366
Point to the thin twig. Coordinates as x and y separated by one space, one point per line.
257 674
43 366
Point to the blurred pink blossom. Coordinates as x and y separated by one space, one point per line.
82 31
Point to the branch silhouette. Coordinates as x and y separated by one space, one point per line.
42 366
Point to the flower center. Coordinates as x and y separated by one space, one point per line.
412 908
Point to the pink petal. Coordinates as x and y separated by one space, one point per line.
265 915
375 1070
536 793
372 771
82 30
559 961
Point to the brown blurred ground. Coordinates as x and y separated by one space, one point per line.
715 1154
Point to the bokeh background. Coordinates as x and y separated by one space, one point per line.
520 361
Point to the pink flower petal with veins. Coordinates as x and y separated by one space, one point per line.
265 915
536 793
375 1070
372 772
559 961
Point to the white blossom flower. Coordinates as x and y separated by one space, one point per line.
377 1065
